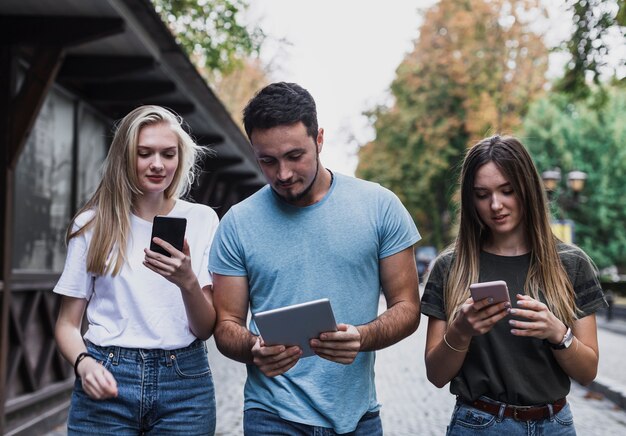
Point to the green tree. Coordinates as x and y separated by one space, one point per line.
578 136
473 70
588 46
211 32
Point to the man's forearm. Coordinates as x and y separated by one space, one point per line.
234 341
393 325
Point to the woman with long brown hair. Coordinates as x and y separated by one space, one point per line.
510 363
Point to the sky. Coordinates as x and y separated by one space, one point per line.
345 53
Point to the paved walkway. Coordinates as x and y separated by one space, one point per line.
611 379
413 406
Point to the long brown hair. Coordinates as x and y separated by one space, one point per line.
546 273
112 203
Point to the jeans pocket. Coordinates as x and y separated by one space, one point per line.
564 416
469 417
192 364
103 356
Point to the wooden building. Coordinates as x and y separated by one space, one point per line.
68 70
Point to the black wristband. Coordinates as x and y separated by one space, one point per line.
79 359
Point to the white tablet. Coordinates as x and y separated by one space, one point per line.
296 324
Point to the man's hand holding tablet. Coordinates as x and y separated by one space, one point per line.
296 324
286 333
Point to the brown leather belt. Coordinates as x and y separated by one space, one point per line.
519 413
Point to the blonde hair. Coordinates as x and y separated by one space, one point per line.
112 203
546 273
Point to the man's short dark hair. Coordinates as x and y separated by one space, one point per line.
281 104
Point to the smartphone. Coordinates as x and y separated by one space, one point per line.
496 290
170 229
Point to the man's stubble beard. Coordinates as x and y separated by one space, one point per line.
305 192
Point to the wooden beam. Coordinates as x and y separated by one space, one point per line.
119 110
226 193
247 190
201 192
8 75
104 68
237 176
56 30
214 163
128 90
29 401
210 139
37 82
19 366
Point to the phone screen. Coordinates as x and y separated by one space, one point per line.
170 229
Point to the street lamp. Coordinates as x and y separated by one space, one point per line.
563 228
551 179
576 181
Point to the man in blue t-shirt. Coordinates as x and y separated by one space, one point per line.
311 234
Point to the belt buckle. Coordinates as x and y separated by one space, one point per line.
516 409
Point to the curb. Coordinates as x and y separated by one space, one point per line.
612 326
611 390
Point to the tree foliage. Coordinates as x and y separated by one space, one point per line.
472 72
211 32
581 137
238 86
223 50
588 46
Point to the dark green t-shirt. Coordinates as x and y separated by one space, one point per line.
512 369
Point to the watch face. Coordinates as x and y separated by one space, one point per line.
568 339
566 342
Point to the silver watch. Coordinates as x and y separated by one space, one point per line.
565 342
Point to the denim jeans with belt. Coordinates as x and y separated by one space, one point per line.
467 420
258 422
159 392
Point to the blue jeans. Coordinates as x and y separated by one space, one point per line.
467 420
258 422
159 392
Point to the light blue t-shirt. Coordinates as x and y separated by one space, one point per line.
291 255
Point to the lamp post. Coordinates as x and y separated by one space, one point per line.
562 227
576 182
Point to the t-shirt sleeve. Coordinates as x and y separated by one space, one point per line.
75 281
398 228
589 295
226 254
204 277
432 299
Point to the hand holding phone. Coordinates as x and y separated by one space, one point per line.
170 229
496 290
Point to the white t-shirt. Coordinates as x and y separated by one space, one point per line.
138 308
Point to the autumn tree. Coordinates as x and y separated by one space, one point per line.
474 69
238 86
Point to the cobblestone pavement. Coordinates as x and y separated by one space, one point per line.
411 405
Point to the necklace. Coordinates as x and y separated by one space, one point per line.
332 178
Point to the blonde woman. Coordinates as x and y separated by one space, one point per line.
141 366
509 364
